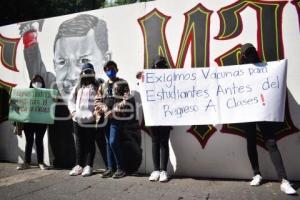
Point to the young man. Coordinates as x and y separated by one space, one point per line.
111 98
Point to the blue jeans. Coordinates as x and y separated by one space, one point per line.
112 135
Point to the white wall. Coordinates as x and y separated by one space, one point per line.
224 155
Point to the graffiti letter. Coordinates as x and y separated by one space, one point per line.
8 52
269 21
195 33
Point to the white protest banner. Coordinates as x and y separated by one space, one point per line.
214 95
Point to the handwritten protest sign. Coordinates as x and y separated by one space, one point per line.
214 95
32 105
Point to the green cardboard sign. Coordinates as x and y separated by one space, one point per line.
32 105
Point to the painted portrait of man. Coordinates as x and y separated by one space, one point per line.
79 40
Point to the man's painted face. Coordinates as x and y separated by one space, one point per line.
70 53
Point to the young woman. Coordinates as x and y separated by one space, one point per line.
250 55
32 130
160 138
81 106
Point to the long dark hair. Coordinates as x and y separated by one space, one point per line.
249 55
35 78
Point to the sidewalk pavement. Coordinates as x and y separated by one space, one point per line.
35 184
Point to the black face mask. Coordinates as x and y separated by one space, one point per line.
86 80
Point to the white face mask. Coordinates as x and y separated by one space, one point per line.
37 84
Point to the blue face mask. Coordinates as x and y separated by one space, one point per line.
111 73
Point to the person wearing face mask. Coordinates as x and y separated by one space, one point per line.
81 106
250 55
111 98
32 130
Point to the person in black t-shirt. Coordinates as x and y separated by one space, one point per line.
250 55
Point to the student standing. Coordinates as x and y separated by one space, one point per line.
250 55
32 130
160 138
81 106
111 97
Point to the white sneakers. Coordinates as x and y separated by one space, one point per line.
256 180
87 171
159 176
154 176
78 170
42 166
23 166
163 176
286 187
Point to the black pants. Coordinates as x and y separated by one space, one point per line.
160 146
101 143
85 144
270 143
39 131
61 138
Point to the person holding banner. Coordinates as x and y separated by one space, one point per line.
250 55
81 106
36 130
160 138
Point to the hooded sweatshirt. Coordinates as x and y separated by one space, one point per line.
82 103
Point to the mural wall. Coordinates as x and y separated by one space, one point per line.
196 33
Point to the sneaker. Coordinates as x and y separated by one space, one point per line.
87 171
108 173
154 176
163 177
256 180
42 166
100 171
286 187
23 166
119 174
77 170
